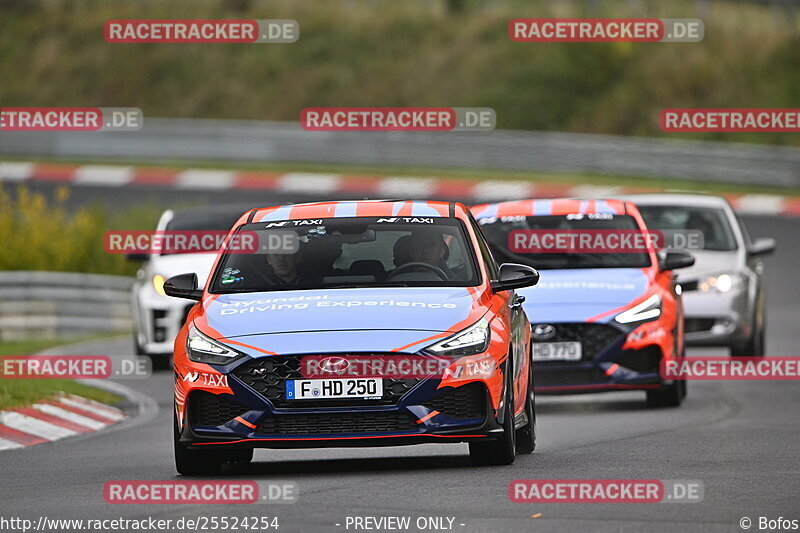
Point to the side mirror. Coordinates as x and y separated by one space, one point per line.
183 286
137 257
762 247
515 276
676 260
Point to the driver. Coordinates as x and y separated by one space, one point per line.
427 247
284 269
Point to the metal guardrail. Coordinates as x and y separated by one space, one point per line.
253 141
54 304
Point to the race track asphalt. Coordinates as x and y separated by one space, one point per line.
741 439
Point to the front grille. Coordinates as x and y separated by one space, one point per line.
355 422
467 401
574 376
206 409
266 376
594 338
645 360
694 325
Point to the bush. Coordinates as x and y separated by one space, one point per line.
38 234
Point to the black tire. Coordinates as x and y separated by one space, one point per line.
137 348
161 361
190 462
526 435
501 451
669 396
754 347
157 361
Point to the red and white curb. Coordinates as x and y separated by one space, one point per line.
370 185
49 420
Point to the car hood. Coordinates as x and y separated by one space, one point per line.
428 310
574 295
707 262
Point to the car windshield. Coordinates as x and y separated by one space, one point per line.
353 252
212 220
711 222
499 229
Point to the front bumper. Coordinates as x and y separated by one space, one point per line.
714 319
252 412
157 320
612 359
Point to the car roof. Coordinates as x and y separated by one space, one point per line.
698 200
553 206
357 208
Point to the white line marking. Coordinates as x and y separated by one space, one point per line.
594 191
760 204
205 179
406 187
34 426
99 409
15 171
69 416
502 190
8 445
309 182
103 175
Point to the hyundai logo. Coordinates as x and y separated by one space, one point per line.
334 365
543 332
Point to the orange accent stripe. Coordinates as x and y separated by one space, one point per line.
245 422
427 417
237 343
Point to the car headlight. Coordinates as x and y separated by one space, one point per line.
158 284
470 341
202 349
647 310
723 282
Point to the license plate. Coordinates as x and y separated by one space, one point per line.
316 389
557 351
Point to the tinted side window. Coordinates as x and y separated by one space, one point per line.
483 246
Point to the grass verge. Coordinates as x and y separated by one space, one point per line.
24 392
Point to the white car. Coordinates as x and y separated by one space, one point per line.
157 317
723 293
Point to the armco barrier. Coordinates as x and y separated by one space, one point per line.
254 141
54 304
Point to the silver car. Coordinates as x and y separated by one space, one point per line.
723 293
